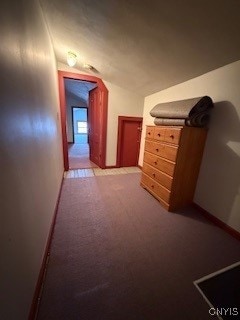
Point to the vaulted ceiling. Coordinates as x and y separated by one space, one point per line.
146 45
79 89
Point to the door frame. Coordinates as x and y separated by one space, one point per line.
72 107
62 97
121 120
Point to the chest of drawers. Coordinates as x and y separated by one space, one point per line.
172 159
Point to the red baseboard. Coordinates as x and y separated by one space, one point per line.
35 301
111 167
234 233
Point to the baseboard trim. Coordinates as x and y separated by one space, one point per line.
38 288
234 233
114 167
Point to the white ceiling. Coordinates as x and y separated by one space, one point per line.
78 89
146 46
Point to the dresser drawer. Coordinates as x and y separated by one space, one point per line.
159 133
160 177
156 188
149 132
172 158
162 150
159 163
172 135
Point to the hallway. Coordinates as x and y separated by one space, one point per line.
78 154
117 254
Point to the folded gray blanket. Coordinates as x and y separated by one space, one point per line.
169 122
190 112
198 120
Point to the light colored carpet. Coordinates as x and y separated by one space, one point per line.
78 155
124 170
83 173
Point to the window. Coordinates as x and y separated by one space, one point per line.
82 127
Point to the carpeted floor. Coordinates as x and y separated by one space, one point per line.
118 255
78 155
83 173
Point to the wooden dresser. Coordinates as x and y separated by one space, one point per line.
172 159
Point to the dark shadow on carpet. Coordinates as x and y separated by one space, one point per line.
223 292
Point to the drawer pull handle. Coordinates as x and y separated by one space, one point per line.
154 175
149 133
159 134
155 162
157 149
172 136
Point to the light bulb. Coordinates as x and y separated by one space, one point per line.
71 59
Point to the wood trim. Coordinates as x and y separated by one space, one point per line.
121 120
41 275
114 167
73 138
104 129
83 77
234 233
77 76
62 99
111 167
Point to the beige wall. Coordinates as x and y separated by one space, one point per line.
121 102
218 188
31 152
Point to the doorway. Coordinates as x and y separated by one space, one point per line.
99 126
129 138
80 125
78 150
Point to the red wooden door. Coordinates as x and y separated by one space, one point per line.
130 137
95 125
103 102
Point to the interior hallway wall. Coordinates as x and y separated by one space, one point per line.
121 102
218 188
31 151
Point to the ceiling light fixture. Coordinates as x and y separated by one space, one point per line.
71 58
